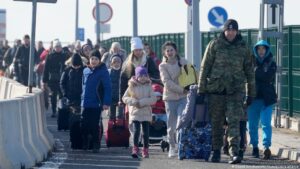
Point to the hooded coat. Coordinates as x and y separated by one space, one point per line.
265 71
142 93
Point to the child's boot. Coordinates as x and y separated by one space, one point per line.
145 152
135 152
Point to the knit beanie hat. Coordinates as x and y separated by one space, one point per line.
231 24
116 56
136 43
76 60
95 53
140 71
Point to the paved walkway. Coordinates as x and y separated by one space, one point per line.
119 158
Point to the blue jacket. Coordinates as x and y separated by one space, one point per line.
265 71
96 87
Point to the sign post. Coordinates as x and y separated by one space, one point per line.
32 41
102 13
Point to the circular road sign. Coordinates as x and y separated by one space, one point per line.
106 12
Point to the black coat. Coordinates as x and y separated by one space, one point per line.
21 64
129 71
115 82
265 77
71 84
54 67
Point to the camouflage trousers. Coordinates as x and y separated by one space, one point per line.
229 106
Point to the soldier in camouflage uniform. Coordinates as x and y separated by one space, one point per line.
226 68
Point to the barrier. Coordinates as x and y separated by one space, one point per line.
24 139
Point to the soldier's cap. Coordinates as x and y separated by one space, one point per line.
231 24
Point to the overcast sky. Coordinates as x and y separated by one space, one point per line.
155 17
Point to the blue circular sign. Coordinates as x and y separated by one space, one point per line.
217 16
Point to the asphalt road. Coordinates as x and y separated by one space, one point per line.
119 158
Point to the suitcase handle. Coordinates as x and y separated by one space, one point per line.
124 118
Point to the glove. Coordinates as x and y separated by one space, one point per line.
248 100
200 98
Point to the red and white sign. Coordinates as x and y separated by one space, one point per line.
188 2
106 12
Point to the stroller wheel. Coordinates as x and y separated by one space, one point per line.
164 145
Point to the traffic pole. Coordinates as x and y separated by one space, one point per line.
196 34
32 46
135 19
76 20
97 22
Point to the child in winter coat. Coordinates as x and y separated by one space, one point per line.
96 96
114 73
260 110
139 97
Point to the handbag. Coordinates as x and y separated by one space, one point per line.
188 76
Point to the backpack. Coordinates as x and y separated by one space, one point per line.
188 76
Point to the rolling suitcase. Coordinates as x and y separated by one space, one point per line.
63 115
117 133
195 139
75 131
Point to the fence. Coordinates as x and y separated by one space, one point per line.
290 99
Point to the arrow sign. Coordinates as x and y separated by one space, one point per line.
217 16
273 6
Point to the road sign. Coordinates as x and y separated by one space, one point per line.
272 15
43 1
188 2
217 16
106 12
80 34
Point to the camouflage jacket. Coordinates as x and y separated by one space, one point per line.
227 67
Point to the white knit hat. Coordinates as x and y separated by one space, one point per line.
56 43
136 43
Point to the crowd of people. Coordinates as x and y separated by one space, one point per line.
236 83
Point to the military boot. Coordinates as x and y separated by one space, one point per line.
235 159
216 157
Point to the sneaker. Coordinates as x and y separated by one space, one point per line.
267 154
145 153
255 152
216 157
135 152
172 152
235 160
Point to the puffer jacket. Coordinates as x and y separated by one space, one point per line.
71 84
96 87
169 75
142 93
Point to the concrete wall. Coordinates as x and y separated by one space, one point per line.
24 137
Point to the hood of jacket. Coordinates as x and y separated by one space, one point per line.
266 45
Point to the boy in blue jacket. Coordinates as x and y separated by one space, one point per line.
96 96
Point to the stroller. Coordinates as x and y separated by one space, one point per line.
158 126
